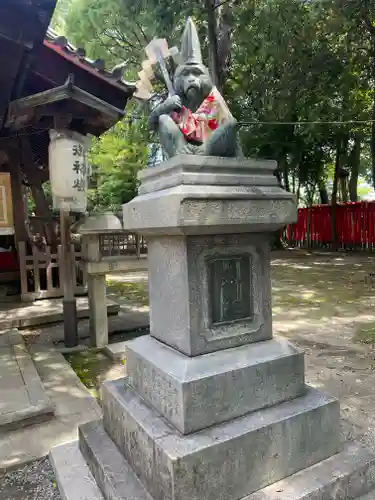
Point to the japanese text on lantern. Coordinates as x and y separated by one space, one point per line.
79 168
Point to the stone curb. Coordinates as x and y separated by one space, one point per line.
73 477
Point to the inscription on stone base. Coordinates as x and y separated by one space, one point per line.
229 288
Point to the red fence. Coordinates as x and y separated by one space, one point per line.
355 226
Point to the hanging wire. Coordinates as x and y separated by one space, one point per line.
131 118
306 122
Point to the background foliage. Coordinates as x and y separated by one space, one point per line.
279 63
115 161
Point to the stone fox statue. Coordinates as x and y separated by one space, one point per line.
196 120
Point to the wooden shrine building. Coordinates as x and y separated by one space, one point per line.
45 83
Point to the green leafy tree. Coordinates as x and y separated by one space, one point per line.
60 14
115 158
119 30
276 60
113 30
297 68
358 19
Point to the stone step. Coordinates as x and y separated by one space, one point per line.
368 496
337 478
23 399
73 477
112 473
230 460
198 392
344 476
23 315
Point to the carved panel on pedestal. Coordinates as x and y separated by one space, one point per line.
228 291
230 288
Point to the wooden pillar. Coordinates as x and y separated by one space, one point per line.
67 276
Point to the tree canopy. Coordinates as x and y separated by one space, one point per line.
299 76
116 157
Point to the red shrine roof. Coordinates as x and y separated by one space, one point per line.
43 76
34 60
77 56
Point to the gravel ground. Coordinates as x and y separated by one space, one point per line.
35 481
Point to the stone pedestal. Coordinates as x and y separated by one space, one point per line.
213 405
97 292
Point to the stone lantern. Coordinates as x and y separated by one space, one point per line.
68 170
91 228
69 177
102 238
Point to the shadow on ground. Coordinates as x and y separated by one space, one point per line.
332 297
329 292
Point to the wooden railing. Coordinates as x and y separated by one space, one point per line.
120 244
40 273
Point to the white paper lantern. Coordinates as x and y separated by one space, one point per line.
69 170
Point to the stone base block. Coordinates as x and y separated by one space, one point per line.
227 461
73 476
112 473
369 496
345 476
218 288
210 171
195 393
194 194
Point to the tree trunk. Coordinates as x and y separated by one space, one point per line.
35 179
298 194
355 157
277 174
308 230
344 189
43 211
373 107
294 182
41 203
278 243
224 41
373 139
323 193
283 169
334 200
212 41
367 19
341 149
286 178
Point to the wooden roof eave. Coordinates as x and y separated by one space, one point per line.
22 111
23 24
